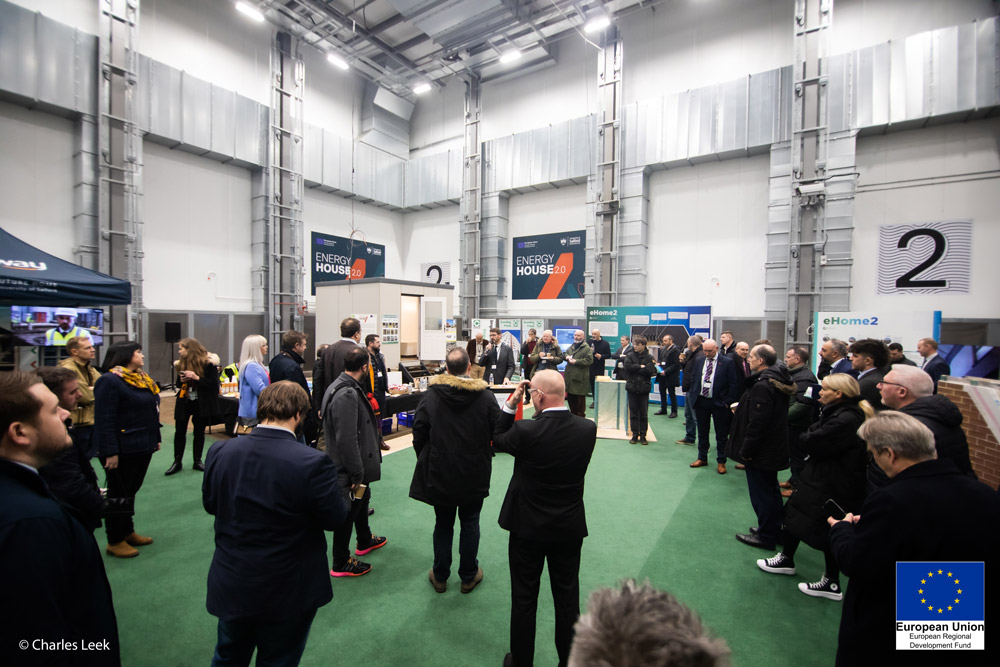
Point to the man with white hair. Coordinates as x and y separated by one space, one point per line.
911 391
547 354
930 513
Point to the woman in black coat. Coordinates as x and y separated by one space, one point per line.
639 370
834 470
197 400
127 428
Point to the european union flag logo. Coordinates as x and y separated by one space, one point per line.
940 592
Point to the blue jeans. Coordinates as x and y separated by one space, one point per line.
278 643
689 418
468 541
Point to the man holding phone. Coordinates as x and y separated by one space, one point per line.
352 442
543 509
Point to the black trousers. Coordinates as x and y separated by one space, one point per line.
577 404
671 389
790 544
124 482
707 412
357 520
638 413
526 559
765 497
185 410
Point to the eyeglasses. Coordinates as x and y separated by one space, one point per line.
532 390
892 383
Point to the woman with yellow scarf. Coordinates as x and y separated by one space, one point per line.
127 430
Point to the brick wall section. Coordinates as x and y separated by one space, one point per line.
984 450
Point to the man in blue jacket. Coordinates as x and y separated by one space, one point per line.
272 498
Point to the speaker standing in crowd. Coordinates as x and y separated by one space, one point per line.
639 370
497 360
197 398
127 428
55 587
81 356
253 377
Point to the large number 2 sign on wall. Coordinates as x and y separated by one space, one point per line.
928 258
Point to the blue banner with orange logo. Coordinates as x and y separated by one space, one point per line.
337 258
549 266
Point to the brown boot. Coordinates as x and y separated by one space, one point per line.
121 550
137 540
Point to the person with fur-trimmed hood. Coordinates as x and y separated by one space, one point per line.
759 439
452 430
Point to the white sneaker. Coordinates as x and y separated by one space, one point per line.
824 588
777 564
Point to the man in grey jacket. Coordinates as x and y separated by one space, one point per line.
352 442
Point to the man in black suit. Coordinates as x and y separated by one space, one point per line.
834 352
333 357
870 359
624 347
543 510
931 512
497 360
715 385
272 498
602 352
741 358
727 344
54 584
933 365
896 355
669 376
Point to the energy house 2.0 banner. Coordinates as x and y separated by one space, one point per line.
549 266
337 258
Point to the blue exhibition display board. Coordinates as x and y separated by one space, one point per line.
653 322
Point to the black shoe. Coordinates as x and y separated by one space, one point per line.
174 468
633 441
198 465
660 412
642 440
824 588
371 510
777 564
591 406
672 415
754 541
508 660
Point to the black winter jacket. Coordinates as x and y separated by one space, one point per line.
287 365
835 468
639 368
802 411
759 434
944 419
452 430
690 361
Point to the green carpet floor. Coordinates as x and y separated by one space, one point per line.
649 516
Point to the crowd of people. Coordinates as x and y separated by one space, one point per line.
866 436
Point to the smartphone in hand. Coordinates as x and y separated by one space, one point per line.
833 509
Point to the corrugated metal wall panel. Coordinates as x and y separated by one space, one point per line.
165 112
251 119
987 42
312 154
196 111
19 54
732 134
223 139
57 64
388 171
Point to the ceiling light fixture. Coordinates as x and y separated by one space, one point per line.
336 60
251 11
510 56
597 23
422 88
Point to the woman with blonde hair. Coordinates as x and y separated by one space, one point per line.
834 470
198 380
253 377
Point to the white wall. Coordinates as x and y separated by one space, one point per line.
330 214
892 190
36 179
431 236
196 237
545 212
708 221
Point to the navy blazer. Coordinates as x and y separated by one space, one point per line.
603 348
501 356
937 367
54 584
126 418
844 366
272 498
726 386
544 501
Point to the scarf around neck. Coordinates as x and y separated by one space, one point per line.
138 378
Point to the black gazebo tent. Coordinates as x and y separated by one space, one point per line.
30 277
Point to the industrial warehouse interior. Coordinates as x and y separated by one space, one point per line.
790 171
